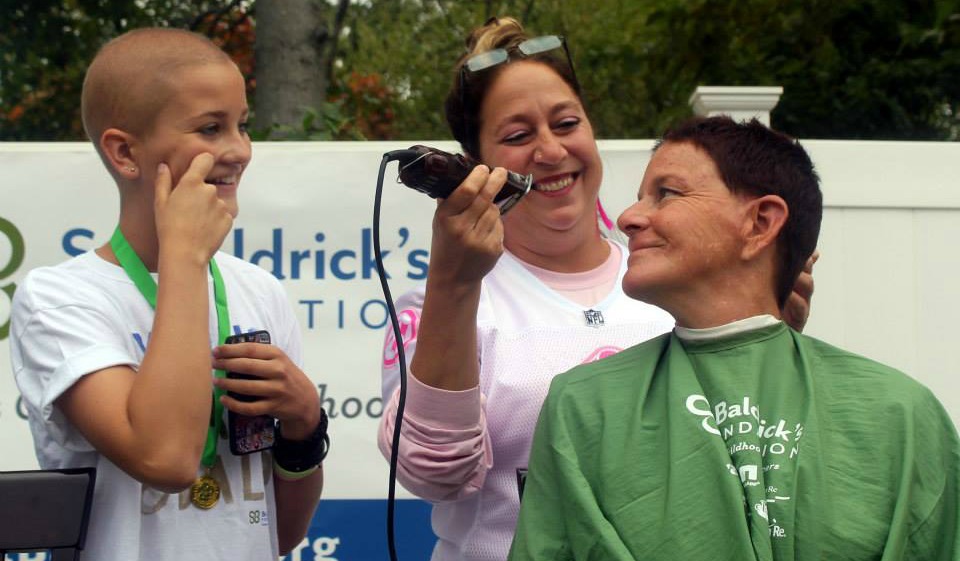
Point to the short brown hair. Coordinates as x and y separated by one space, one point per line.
755 160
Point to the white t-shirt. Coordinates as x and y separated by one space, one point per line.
85 315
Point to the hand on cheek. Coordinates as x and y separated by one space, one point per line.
191 219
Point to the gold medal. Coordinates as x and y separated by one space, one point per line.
205 491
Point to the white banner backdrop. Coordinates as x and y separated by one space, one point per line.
885 282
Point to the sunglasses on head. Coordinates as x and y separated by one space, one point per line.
530 47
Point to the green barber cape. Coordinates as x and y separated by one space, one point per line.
765 445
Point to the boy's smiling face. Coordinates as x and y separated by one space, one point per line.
206 111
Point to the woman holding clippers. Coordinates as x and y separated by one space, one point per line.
508 303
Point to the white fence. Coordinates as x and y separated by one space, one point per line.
886 284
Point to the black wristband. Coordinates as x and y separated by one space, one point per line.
300 455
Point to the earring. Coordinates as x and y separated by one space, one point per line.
131 169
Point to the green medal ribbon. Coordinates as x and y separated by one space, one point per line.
138 273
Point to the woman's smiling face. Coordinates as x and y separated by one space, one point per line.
686 229
532 122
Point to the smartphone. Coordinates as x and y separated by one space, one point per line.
248 434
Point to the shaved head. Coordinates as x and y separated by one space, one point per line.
134 75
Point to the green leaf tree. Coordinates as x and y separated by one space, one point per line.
871 69
45 46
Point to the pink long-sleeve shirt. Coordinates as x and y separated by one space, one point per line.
462 450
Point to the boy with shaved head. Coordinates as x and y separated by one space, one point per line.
734 437
112 349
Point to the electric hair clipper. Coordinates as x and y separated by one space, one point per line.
438 173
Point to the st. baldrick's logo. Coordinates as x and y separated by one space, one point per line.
11 257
